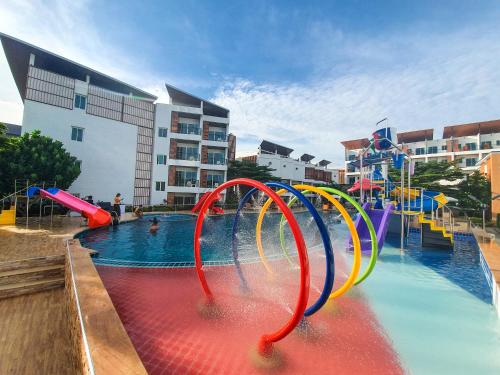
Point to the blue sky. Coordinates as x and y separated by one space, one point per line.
333 68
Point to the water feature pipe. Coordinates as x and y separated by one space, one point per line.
265 345
330 266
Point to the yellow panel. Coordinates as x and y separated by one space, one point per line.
8 217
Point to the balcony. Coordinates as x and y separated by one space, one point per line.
216 159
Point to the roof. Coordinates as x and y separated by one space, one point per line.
273 148
13 130
307 157
356 144
324 163
416 136
209 108
18 53
473 128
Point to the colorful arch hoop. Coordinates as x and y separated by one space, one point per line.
266 341
350 224
330 265
366 218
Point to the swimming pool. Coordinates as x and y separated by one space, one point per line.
433 306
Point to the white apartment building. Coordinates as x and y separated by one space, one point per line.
465 144
125 142
295 171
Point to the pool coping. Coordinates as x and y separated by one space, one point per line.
489 256
98 337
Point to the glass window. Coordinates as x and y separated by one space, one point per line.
214 179
80 101
162 132
187 153
160 185
216 158
470 162
432 150
161 159
444 148
76 134
420 151
186 178
217 135
189 128
183 200
498 142
471 146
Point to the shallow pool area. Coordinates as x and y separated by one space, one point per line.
431 308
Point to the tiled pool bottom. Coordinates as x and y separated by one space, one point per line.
159 308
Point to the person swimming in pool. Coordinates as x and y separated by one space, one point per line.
155 225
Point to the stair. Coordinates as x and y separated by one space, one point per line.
434 235
31 275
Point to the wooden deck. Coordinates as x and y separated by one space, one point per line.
34 335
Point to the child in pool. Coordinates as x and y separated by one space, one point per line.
154 226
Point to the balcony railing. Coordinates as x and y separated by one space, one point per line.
213 184
186 182
187 156
217 136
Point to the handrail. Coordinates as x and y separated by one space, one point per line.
14 194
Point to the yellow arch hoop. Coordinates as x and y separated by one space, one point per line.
350 224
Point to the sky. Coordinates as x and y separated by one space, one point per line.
306 75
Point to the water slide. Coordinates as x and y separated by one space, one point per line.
380 220
96 216
213 208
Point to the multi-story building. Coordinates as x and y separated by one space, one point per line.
294 171
125 142
465 144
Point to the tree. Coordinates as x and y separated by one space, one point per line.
37 158
248 169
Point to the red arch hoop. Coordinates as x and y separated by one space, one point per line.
266 341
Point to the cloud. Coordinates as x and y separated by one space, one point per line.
421 82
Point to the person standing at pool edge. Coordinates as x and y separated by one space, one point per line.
117 201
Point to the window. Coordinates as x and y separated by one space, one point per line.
79 164
216 158
161 159
444 148
187 153
189 128
76 134
420 150
80 101
214 179
470 162
186 178
162 132
470 147
432 150
214 135
160 185
486 145
183 200
498 142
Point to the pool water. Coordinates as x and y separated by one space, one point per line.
433 305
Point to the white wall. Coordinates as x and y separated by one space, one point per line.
108 150
163 119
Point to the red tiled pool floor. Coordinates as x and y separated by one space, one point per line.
159 308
